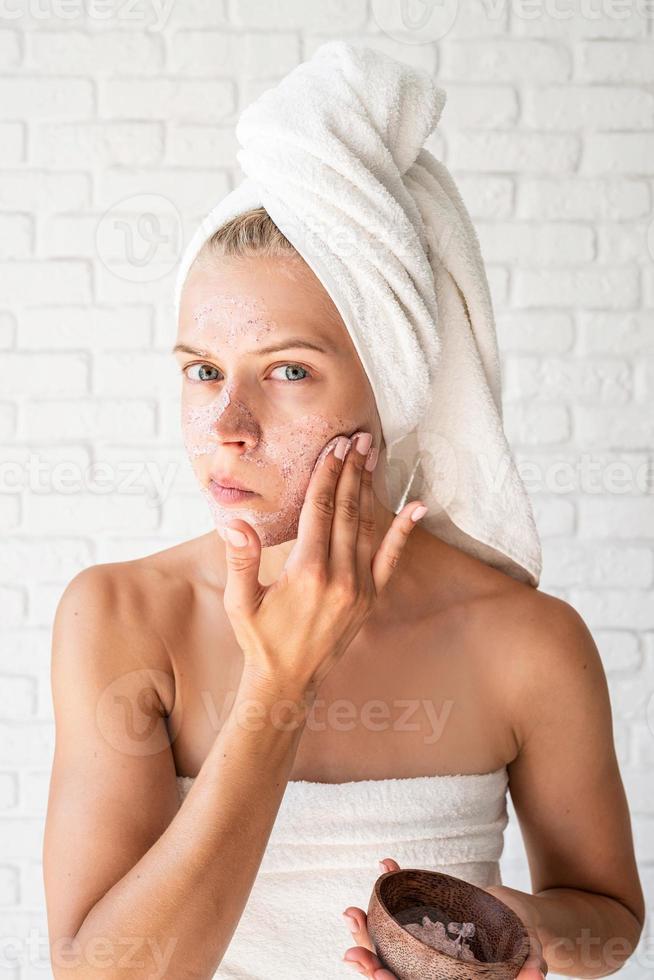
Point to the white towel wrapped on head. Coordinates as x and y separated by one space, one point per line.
335 155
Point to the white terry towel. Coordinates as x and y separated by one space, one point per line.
335 154
322 854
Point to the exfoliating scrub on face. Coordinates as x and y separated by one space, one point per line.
277 469
276 466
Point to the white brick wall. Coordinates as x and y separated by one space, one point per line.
549 132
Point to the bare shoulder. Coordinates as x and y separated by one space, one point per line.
139 587
134 600
542 657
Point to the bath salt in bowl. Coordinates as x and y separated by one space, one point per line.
426 925
434 933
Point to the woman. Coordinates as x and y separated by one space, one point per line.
196 673
519 665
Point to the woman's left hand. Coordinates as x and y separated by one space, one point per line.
363 957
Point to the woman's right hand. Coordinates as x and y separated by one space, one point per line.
294 630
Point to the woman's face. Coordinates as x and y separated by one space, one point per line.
258 416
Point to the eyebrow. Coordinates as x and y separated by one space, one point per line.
328 347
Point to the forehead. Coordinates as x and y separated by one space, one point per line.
278 293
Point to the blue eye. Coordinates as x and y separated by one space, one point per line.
203 369
293 368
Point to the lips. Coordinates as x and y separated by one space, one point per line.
229 482
227 495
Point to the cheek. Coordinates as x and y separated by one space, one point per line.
290 451
292 448
198 427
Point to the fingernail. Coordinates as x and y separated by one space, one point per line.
364 439
371 461
342 447
351 922
237 538
418 513
324 452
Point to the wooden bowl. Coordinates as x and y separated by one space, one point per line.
500 942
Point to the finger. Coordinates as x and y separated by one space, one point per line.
534 967
367 964
354 963
390 550
243 589
366 958
530 971
364 954
357 920
315 523
359 927
345 527
367 528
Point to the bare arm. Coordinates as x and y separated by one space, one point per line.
141 873
569 798
142 888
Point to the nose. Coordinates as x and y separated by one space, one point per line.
234 423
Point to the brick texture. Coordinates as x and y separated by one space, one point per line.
110 110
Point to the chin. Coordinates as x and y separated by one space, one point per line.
270 537
271 533
272 527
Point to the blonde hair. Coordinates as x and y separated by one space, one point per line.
251 233
254 233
